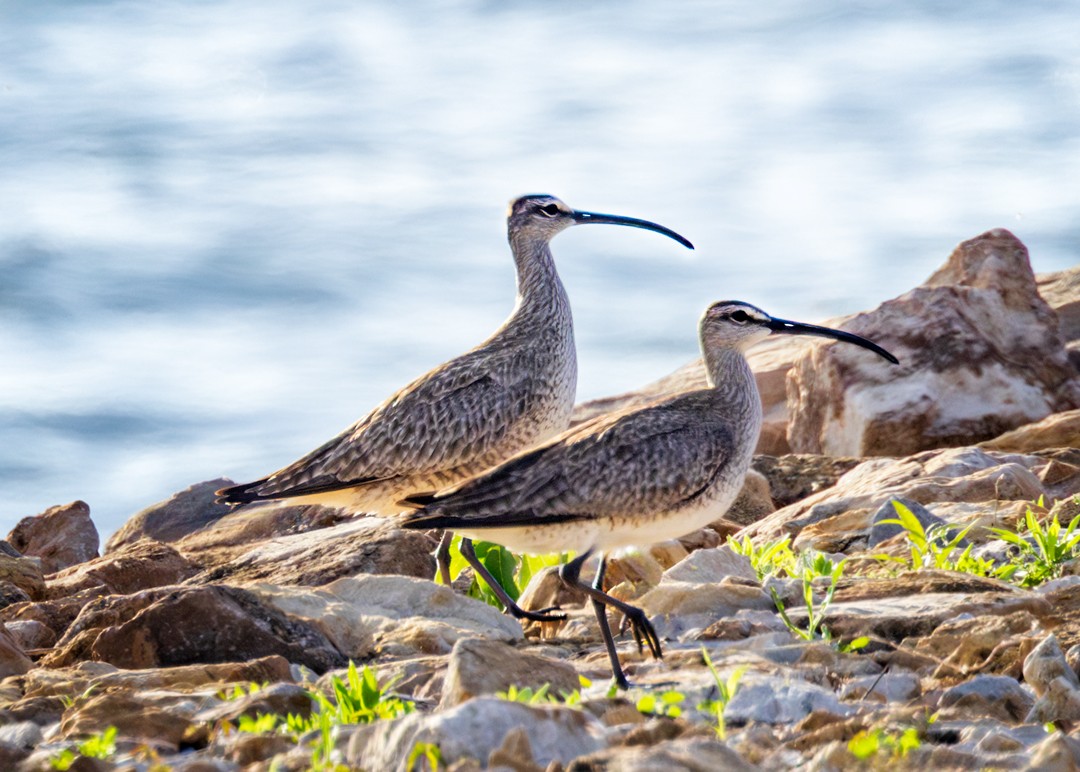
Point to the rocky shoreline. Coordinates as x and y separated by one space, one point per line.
961 653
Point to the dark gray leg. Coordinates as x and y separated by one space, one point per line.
605 627
469 554
644 633
442 557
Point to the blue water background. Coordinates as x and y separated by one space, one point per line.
228 229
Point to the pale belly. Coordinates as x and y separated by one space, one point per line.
606 533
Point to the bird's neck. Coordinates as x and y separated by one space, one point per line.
539 290
733 381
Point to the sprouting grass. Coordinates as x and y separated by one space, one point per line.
1043 550
512 572
428 753
812 566
541 695
101 745
940 548
770 559
358 698
725 689
869 743
668 703
239 691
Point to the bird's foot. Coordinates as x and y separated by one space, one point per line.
643 630
535 616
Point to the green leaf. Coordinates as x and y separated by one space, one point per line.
502 565
858 643
864 745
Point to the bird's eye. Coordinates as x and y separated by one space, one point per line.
739 316
550 210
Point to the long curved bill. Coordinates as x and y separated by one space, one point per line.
582 218
785 327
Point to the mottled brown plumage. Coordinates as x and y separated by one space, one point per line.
634 477
511 391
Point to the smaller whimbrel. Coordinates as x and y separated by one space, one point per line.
468 414
629 478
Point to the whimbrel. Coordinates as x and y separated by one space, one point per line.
629 478
468 414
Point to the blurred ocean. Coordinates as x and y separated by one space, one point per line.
229 229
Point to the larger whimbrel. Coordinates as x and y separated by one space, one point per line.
513 390
632 477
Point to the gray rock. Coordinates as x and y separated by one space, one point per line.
964 475
1057 753
992 736
780 700
1045 664
709 566
21 734
691 754
998 697
1059 702
890 687
31 634
476 728
678 607
480 666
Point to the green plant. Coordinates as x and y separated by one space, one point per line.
810 567
663 704
770 559
1043 550
239 691
100 745
940 547
725 691
430 753
510 571
358 698
260 724
529 696
869 743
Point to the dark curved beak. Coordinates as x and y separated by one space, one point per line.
784 327
581 218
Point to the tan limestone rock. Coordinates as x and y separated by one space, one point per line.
1059 430
952 475
394 615
61 536
23 573
13 660
187 625
367 545
1061 290
482 666
980 354
101 676
141 565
